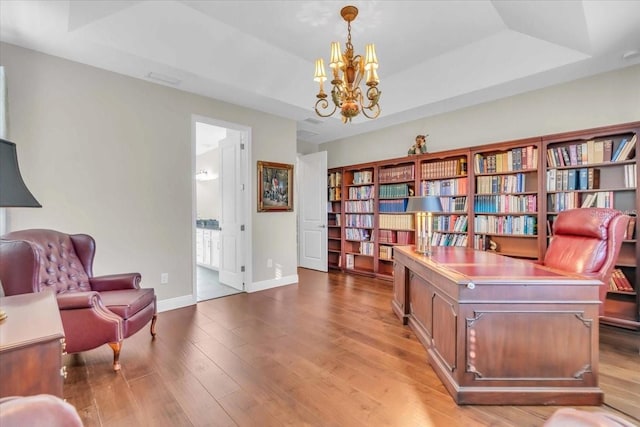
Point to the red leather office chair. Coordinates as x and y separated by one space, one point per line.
94 310
587 241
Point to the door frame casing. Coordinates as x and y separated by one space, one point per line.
245 239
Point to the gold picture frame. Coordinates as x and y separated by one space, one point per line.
275 187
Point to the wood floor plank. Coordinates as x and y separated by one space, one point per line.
325 352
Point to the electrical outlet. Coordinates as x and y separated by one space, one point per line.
269 263
164 278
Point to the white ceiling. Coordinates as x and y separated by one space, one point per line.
435 56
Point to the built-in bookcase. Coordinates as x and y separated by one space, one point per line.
598 168
359 219
505 202
446 175
334 218
502 197
396 183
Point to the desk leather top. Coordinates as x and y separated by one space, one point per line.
466 264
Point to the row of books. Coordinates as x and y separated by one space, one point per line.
396 222
454 204
365 192
630 176
631 228
501 184
385 252
592 152
481 242
392 236
359 206
456 223
559 202
448 239
399 205
393 190
573 179
358 234
619 282
364 221
507 203
335 179
366 248
521 158
443 168
397 173
444 187
362 177
517 225
601 199
335 194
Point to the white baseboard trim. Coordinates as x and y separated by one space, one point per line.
187 300
272 283
173 303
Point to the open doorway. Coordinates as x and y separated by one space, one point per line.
218 167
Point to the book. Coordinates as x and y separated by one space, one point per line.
617 146
583 179
593 179
565 156
590 151
621 281
598 151
571 179
608 147
628 151
631 228
573 154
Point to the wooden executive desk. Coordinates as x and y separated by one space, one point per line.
500 330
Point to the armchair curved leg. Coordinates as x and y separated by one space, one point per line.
153 325
116 346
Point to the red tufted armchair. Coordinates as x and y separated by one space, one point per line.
587 241
94 310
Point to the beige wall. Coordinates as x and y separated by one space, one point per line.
605 99
110 155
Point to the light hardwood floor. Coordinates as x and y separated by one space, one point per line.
325 352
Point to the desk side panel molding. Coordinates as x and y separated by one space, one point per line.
499 357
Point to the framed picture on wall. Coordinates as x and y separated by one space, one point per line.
275 187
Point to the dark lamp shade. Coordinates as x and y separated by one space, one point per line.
13 191
424 204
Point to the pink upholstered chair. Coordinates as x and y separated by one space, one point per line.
587 241
94 310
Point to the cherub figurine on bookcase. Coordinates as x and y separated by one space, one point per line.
420 147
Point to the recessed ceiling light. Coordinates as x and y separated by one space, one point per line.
164 78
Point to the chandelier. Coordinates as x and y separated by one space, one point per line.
348 71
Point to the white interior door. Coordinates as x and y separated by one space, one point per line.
312 220
231 270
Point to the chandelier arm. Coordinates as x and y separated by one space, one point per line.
324 105
376 111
